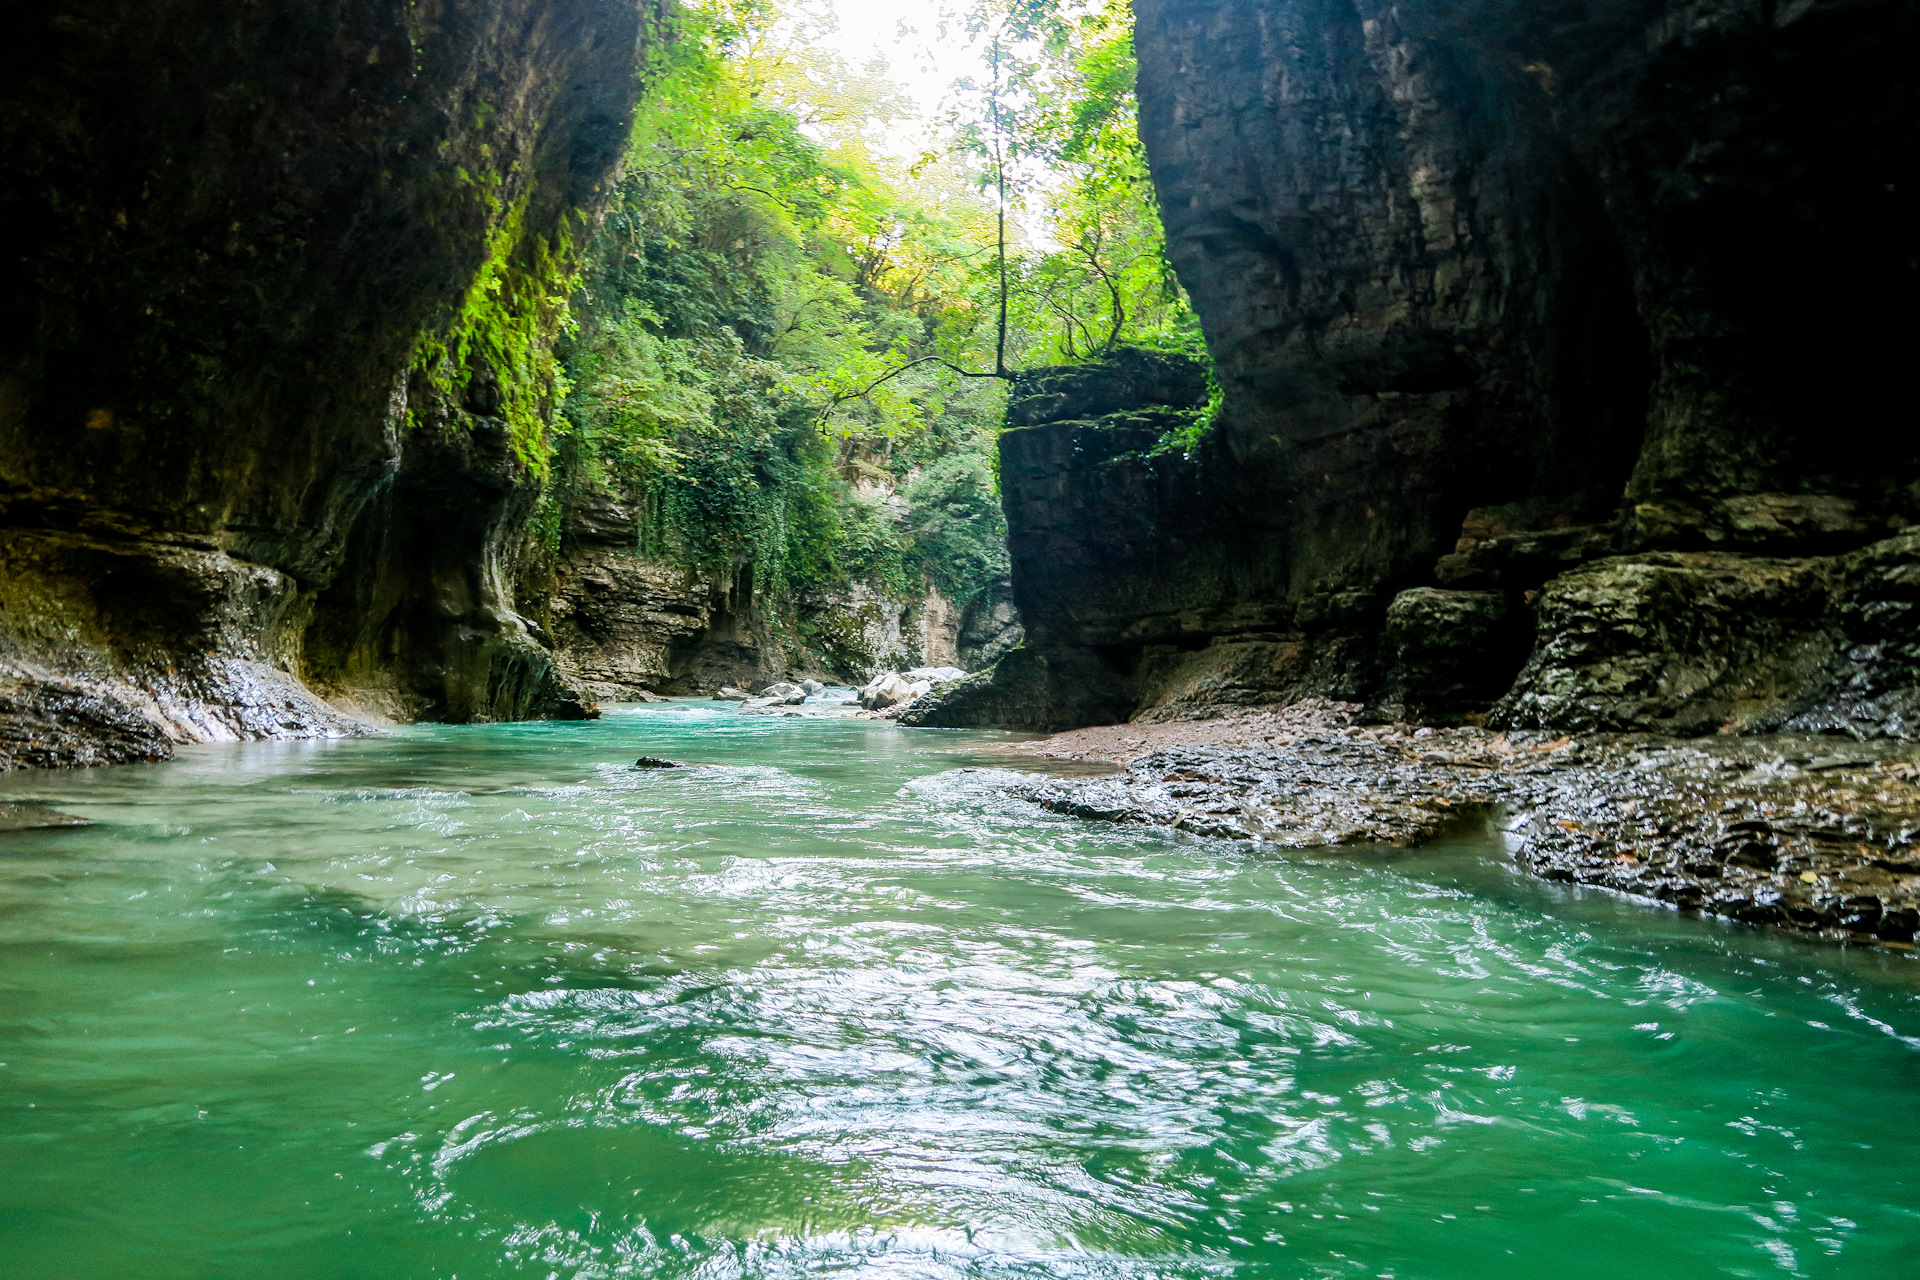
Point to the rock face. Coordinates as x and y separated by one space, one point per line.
1697 642
1101 501
264 432
990 628
1482 285
623 625
860 631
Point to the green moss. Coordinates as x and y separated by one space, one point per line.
507 323
1186 437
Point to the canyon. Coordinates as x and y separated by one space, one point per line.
1553 385
1381 542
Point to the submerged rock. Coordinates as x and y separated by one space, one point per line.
656 762
28 816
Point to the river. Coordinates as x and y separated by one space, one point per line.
467 1002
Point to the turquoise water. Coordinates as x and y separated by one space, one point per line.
474 1002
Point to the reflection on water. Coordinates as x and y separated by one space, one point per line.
485 1001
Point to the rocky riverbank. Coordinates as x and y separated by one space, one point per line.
1810 834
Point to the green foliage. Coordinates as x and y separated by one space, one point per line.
1186 438
959 535
787 341
1053 127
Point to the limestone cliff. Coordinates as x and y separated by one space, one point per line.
270 346
1496 291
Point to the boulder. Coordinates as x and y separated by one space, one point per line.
813 687
1678 643
656 762
1451 654
783 694
727 693
1028 689
886 690
934 675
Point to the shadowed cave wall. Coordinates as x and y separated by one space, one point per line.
232 487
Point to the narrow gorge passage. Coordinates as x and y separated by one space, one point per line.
488 1001
959 639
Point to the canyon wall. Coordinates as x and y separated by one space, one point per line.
623 625
272 338
1559 376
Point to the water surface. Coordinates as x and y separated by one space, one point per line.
484 1001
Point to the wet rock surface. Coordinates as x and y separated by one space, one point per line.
1718 641
46 724
1809 834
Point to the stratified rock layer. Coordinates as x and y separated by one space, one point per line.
225 482
625 625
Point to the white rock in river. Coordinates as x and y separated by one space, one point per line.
886 690
727 693
813 687
934 675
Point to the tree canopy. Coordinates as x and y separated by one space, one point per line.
791 344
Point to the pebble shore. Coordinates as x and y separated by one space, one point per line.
1815 834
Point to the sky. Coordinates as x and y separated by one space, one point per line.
924 55
926 48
